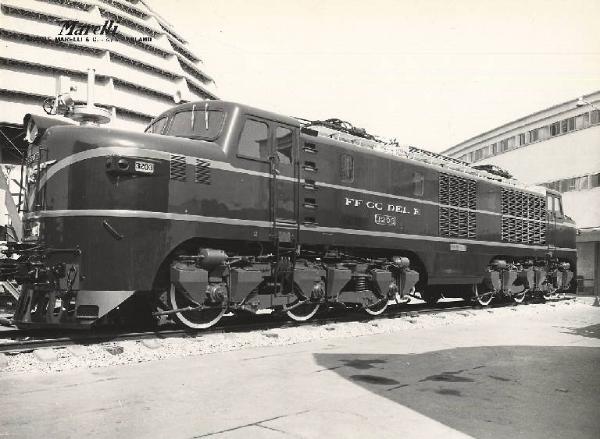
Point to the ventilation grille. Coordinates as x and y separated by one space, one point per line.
523 217
456 223
523 231
459 194
177 170
202 174
458 191
523 205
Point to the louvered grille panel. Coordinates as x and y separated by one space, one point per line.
457 223
522 204
202 174
523 217
458 193
177 169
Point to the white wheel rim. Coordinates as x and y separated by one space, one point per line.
377 311
519 297
484 299
304 317
187 322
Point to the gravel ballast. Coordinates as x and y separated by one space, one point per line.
138 351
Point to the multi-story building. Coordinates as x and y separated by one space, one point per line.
559 148
142 66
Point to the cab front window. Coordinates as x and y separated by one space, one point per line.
197 123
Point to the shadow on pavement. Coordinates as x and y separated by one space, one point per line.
592 331
488 392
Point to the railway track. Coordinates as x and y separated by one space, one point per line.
15 341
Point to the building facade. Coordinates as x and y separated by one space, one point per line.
142 67
559 148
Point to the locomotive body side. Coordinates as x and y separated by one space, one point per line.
113 214
395 205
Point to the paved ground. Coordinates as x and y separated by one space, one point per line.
525 376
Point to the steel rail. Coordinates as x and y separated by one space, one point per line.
26 340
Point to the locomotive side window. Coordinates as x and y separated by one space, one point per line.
418 184
283 145
198 123
554 205
558 210
254 140
550 203
157 127
347 168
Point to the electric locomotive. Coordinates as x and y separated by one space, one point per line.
220 207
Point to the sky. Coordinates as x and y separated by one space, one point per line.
428 73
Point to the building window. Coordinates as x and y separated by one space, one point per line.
582 121
511 142
522 139
575 184
555 129
495 149
347 168
504 145
534 135
254 140
594 117
571 121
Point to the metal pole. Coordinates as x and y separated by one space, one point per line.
90 88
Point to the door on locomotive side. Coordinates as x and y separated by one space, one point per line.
284 181
554 215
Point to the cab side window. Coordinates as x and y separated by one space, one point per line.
550 203
558 210
554 205
254 141
283 145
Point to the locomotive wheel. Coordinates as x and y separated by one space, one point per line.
303 312
484 299
520 297
377 308
197 319
550 294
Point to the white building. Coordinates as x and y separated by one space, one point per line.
142 65
558 147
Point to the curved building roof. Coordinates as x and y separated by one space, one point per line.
143 66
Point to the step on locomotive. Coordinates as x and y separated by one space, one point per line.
223 208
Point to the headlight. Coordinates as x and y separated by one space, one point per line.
32 131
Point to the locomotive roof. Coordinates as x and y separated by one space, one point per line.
232 106
415 155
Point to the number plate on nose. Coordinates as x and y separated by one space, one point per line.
145 167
